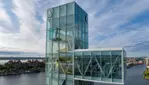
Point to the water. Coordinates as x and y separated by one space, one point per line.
134 77
24 79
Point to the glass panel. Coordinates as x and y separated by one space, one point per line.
79 35
49 47
82 44
55 63
86 39
117 66
76 33
63 10
47 81
96 64
76 20
105 53
70 34
83 16
76 9
70 8
79 22
61 81
55 47
87 64
63 22
86 27
106 65
55 23
78 68
116 52
50 13
49 67
55 80
70 20
52 34
49 24
78 53
56 12
77 44
82 36
69 82
86 45
63 35
55 69
82 25
79 12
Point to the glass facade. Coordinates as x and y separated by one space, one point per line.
99 65
66 32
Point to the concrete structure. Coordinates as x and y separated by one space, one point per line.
68 59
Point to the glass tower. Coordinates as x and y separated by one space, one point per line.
67 30
68 59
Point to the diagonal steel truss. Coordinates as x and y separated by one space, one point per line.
102 68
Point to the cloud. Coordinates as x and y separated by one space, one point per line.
105 27
5 21
31 33
116 23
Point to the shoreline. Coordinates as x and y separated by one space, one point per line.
16 67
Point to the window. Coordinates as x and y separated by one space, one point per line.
70 8
70 20
55 23
56 12
63 10
63 21
49 24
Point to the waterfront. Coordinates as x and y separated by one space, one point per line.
134 77
16 67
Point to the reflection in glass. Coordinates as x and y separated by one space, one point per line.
56 12
63 10
70 8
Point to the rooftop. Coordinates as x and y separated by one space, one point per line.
100 49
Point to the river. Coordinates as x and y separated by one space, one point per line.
134 77
24 79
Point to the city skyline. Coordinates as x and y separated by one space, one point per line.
111 24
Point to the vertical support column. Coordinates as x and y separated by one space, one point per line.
58 55
91 63
73 54
122 62
66 44
46 70
111 65
101 66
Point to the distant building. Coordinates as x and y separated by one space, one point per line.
147 62
140 62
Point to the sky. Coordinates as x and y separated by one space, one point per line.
112 24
